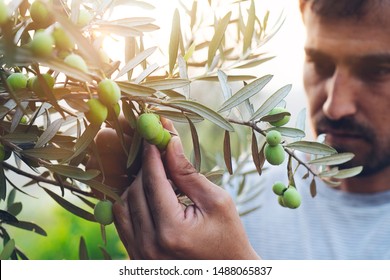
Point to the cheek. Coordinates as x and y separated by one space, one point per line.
315 91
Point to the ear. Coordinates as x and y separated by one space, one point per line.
303 4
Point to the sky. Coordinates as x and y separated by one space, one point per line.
287 45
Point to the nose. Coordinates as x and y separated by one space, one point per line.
341 89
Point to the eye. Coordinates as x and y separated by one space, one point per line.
375 72
322 67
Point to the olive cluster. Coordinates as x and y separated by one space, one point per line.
109 94
150 128
273 150
287 196
50 39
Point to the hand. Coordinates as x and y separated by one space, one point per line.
113 158
153 224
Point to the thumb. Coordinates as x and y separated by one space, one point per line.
185 177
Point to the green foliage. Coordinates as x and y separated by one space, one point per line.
49 126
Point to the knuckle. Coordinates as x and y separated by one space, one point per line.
171 240
223 201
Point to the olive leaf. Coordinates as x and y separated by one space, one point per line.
7 217
72 171
202 111
217 38
28 226
230 78
20 138
258 156
85 139
83 251
49 133
333 159
288 131
135 90
70 207
254 62
135 61
8 250
134 150
101 188
227 153
347 173
48 153
164 84
271 102
196 145
174 40
246 92
3 184
312 147
250 27
179 116
313 188
106 255
223 81
329 172
215 176
69 71
15 208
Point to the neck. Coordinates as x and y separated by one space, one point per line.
373 183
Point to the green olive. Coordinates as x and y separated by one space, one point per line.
149 126
84 18
165 140
275 155
103 212
38 88
17 81
3 12
291 198
273 137
76 61
109 92
284 120
62 40
97 112
42 44
279 188
40 14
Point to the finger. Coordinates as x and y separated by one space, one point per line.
167 124
161 197
142 222
186 178
123 223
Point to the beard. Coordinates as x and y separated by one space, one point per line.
371 151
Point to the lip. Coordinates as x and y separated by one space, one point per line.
338 137
340 133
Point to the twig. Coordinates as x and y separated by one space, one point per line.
45 180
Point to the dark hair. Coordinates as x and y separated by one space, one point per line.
338 8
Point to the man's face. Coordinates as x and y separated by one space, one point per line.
347 81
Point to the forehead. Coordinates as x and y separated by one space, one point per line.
349 36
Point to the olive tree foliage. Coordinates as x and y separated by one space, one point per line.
46 137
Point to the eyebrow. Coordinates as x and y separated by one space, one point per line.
375 58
